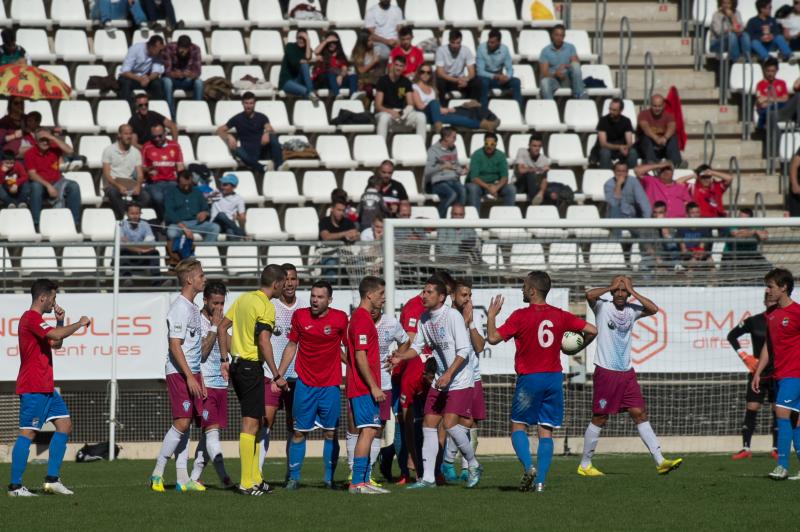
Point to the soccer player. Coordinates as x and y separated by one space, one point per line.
316 337
783 334
364 381
450 398
756 327
215 378
615 386
252 317
274 397
538 395
185 385
39 401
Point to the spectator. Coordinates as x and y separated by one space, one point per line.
488 174
383 21
123 174
625 198
793 194
186 210
295 74
142 67
413 54
392 191
304 10
745 248
12 122
15 188
656 133
335 228
708 189
728 20
162 159
425 100
375 231
43 164
394 93
771 92
496 71
24 139
105 11
161 9
331 69
350 210
455 70
559 66
443 172
228 211
531 167
143 119
766 34
137 253
659 186
371 204
456 244
615 138
368 63
791 28
694 242
10 51
257 139
182 71
668 250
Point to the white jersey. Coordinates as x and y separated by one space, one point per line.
211 368
614 329
389 332
183 322
476 360
279 338
444 332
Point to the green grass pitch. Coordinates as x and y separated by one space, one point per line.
709 492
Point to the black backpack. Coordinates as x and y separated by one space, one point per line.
95 452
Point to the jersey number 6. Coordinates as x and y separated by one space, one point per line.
545 334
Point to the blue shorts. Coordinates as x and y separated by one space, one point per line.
788 394
315 406
538 400
36 409
366 412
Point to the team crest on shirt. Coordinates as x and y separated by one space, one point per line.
611 325
362 338
186 406
602 403
277 331
327 329
35 422
412 322
785 322
205 415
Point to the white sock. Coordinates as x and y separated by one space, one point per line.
374 451
450 450
182 459
171 440
350 442
199 459
460 435
214 451
264 447
473 439
649 438
430 448
590 439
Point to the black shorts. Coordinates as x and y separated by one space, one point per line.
768 391
248 383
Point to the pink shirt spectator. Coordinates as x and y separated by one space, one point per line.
675 195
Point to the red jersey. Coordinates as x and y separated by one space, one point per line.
414 59
16 176
35 355
409 321
318 361
164 160
783 331
710 199
537 332
776 89
46 164
362 336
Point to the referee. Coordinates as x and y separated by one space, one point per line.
252 316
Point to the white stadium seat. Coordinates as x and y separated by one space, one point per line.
344 14
461 14
306 162
211 71
86 184
566 150
70 14
82 75
36 44
581 115
334 152
242 260
266 45
606 255
409 150
247 187
302 223
91 147
502 14
71 46
354 183
565 177
355 106
227 14
228 46
527 257
213 152
423 14
225 110
112 113
61 71
44 107
580 40
240 71
542 23
564 256
745 77
409 182
110 47
29 13
16 225
510 115
186 149
193 116
370 150
588 213
527 80
542 115
311 118
57 225
544 213
76 117
491 255
281 188
210 259
266 14
594 180
317 186
77 260
506 213
284 254
276 112
532 42
263 224
35 260
191 13
98 224
601 72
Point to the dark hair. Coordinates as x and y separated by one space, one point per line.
184 41
455 35
214 288
691 205
746 210
620 163
620 101
781 277
535 136
338 195
463 281
761 4
405 31
42 287
446 132
659 204
385 162
446 278
490 135
558 27
288 267
326 56
494 33
374 182
702 168
154 40
9 155
184 174
272 274
140 96
438 285
323 284
369 284
248 96
338 200
540 281
36 115
399 59
8 35
132 204
770 62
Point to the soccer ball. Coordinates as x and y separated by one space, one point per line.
571 343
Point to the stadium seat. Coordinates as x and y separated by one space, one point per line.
542 115
580 40
509 113
247 188
213 152
311 118
211 71
492 256
606 255
566 150
313 38
318 185
111 114
91 147
354 183
563 176
302 223
564 256
506 213
227 14
789 74
16 225
61 71
355 106
225 110
532 42
228 46
409 182
110 47
348 39
298 162
409 150
57 225
527 80
334 152
601 72
5 20
86 184
76 117
37 260
79 260
193 116
628 109
703 11
186 149
594 180
240 71
266 45
284 254
71 46
541 23
344 14
242 260
461 14
544 213
210 259
476 143
98 224
591 140
588 213
424 211
788 145
281 188
29 13
425 35
581 115
423 14
501 14
370 150
266 14
263 224
44 107
144 36
744 77
191 13
527 257
276 112
36 44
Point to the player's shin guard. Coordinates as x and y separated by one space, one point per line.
785 433
522 448
214 450
460 435
182 459
247 444
58 447
171 441
430 448
200 455
297 453
328 459
264 447
19 459
651 441
748 427
350 440
544 456
590 439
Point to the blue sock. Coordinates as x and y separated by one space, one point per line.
360 467
19 459
58 447
297 453
400 448
543 458
784 441
522 446
327 459
796 438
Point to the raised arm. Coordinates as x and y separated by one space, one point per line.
492 336
650 308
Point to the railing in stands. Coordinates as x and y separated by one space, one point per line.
723 68
566 13
774 150
747 96
709 138
686 14
699 36
759 205
625 40
600 7
733 191
649 78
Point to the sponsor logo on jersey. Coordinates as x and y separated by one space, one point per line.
35 422
177 328
186 406
785 322
44 326
327 330
307 327
412 322
362 338
602 403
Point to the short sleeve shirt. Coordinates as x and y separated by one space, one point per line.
319 340
280 336
249 129
164 159
230 206
362 336
783 327
385 21
658 124
141 125
557 57
614 334
443 331
46 164
35 355
454 65
123 163
776 89
326 224
615 130
390 333
212 367
250 313
394 92
183 323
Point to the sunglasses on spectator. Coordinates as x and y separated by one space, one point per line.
425 72
143 104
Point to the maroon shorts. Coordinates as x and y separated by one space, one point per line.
449 402
615 391
478 403
386 406
182 404
279 399
215 408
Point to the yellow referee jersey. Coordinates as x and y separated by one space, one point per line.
250 313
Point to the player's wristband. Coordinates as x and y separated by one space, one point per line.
472 326
60 323
213 329
276 378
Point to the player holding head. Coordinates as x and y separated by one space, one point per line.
615 386
450 398
756 327
538 396
215 377
364 380
252 317
185 385
39 401
316 339
274 397
783 333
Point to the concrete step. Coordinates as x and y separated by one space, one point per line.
639 28
699 113
695 130
683 79
636 59
635 11
663 48
748 153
